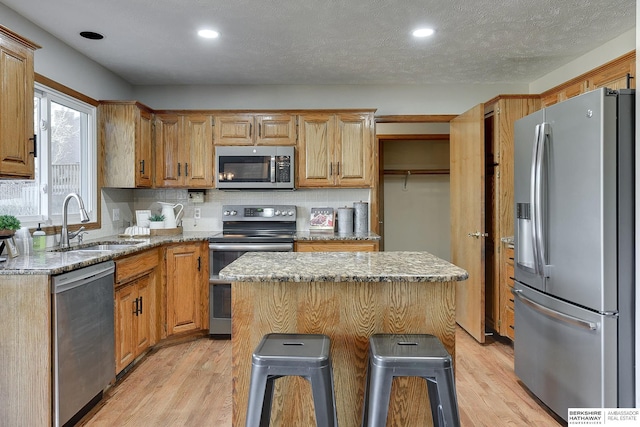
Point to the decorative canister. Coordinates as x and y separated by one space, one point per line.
361 217
345 220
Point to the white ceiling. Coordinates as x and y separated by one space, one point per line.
331 41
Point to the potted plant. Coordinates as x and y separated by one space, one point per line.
156 221
8 225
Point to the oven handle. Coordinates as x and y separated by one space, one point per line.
252 247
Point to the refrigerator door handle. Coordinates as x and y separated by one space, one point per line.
575 321
542 131
533 193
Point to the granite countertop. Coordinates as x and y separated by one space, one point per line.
319 235
341 267
53 261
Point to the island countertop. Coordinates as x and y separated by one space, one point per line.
341 267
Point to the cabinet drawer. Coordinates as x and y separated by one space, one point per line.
511 332
135 266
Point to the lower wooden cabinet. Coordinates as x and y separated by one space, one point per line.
186 275
135 306
507 318
337 246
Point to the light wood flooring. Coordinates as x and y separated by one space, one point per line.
189 384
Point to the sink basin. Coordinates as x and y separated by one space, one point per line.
108 247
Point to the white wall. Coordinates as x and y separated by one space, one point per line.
59 62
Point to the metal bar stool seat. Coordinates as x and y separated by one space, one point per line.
409 355
279 355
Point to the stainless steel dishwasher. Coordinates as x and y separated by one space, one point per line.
84 342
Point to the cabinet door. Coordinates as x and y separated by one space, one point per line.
234 129
467 216
183 265
143 317
354 148
16 110
144 159
125 297
198 144
316 150
276 129
169 171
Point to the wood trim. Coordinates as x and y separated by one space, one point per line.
417 118
39 78
269 111
17 37
627 57
416 136
509 96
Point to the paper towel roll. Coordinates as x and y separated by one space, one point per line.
361 217
345 220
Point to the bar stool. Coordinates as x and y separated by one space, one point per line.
409 355
279 355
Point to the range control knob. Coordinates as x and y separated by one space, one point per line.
226 213
290 213
234 213
277 213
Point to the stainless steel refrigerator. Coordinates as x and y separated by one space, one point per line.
574 252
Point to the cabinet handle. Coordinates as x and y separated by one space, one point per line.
35 145
259 130
141 167
199 263
136 305
186 169
338 168
330 169
140 305
178 169
250 129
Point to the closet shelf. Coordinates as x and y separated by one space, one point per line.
416 171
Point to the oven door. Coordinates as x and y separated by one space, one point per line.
221 255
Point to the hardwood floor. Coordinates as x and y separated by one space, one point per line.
189 384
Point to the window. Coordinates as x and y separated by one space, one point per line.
66 162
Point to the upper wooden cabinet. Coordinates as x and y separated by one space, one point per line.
336 150
255 129
617 74
127 139
184 150
17 142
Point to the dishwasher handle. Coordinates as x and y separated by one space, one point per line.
81 277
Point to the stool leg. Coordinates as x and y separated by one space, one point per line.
323 397
434 401
257 389
447 395
379 395
365 403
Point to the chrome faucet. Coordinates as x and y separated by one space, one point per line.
65 235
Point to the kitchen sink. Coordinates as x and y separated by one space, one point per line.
103 247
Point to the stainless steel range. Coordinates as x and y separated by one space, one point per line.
245 228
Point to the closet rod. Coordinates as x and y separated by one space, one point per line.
416 171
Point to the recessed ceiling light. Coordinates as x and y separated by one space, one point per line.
208 34
91 35
423 32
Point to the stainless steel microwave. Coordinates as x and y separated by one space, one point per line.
255 167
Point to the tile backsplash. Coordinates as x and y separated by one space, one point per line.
211 209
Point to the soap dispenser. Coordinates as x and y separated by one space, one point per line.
39 239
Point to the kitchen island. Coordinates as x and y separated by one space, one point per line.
349 297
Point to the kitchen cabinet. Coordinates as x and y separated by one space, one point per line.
507 318
336 150
186 276
184 150
255 129
126 139
337 246
619 73
481 188
136 320
18 145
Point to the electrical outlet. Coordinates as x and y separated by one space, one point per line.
116 214
196 213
